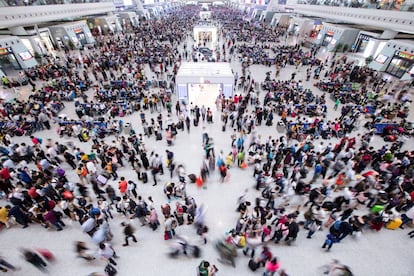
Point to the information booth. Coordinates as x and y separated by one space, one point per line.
201 83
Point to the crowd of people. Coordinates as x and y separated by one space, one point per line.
327 162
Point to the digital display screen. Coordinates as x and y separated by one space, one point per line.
381 58
25 55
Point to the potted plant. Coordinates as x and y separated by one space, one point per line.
338 47
37 56
368 60
345 48
71 45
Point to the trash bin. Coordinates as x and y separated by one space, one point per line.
280 127
127 128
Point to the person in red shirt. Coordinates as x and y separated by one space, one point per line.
123 186
5 183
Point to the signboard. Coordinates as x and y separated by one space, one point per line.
404 55
381 58
3 51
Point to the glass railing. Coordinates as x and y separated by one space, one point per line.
16 3
394 5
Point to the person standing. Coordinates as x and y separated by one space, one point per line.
205 269
271 267
203 112
170 224
129 233
82 172
337 103
4 213
170 158
132 188
44 119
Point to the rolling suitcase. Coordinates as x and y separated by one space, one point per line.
144 177
159 136
102 179
394 224
195 121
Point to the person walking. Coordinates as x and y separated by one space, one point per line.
19 215
33 258
129 233
123 186
5 265
107 252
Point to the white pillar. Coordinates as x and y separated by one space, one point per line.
19 30
388 34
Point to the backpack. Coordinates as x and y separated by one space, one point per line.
174 224
84 171
253 265
110 270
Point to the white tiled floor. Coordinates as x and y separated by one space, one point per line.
382 254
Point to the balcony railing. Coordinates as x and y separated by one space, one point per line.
368 4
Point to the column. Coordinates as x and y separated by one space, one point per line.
388 34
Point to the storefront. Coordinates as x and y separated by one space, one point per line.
105 24
206 35
336 37
401 63
129 18
39 44
14 55
316 28
205 15
327 39
80 35
72 35
361 43
8 60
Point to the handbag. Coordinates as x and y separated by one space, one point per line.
166 236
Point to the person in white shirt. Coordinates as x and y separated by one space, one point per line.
107 252
90 166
